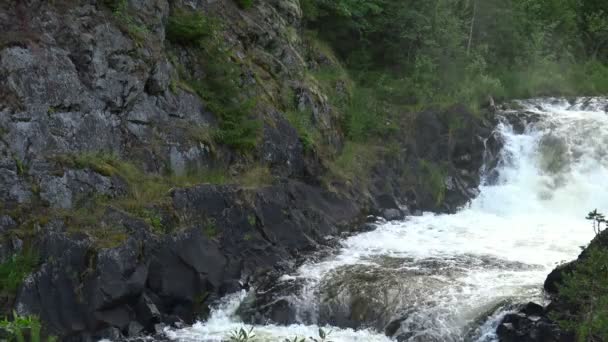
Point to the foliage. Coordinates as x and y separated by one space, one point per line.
303 125
244 4
120 9
597 219
143 188
354 163
21 167
14 270
255 177
434 180
190 28
21 327
210 229
220 86
444 51
295 339
145 193
242 335
323 335
363 116
585 293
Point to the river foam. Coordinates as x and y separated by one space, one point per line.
466 266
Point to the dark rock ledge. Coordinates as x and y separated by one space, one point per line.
535 323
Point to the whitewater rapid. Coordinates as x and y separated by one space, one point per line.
452 276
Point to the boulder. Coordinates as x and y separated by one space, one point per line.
525 327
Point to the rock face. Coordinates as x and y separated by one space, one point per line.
99 78
229 236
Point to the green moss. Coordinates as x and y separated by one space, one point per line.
251 219
255 177
302 122
108 237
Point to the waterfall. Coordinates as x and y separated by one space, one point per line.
451 277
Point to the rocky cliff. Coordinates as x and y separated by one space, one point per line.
148 181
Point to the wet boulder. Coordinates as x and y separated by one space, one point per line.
530 324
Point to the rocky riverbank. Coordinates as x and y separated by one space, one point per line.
112 171
560 321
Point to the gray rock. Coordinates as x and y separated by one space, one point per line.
147 312
6 223
160 78
74 186
134 329
392 214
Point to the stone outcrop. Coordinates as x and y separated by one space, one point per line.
83 78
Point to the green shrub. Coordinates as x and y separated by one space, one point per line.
210 229
433 179
354 162
190 28
244 4
585 291
220 86
14 271
363 115
242 335
303 125
115 5
23 328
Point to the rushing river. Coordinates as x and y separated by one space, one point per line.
451 277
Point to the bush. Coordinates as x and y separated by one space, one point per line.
190 28
14 271
585 293
244 4
303 125
21 327
220 86
363 115
114 5
433 179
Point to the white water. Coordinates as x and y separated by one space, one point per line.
499 248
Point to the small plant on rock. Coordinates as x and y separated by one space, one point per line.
241 335
295 339
14 270
21 327
323 336
597 219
